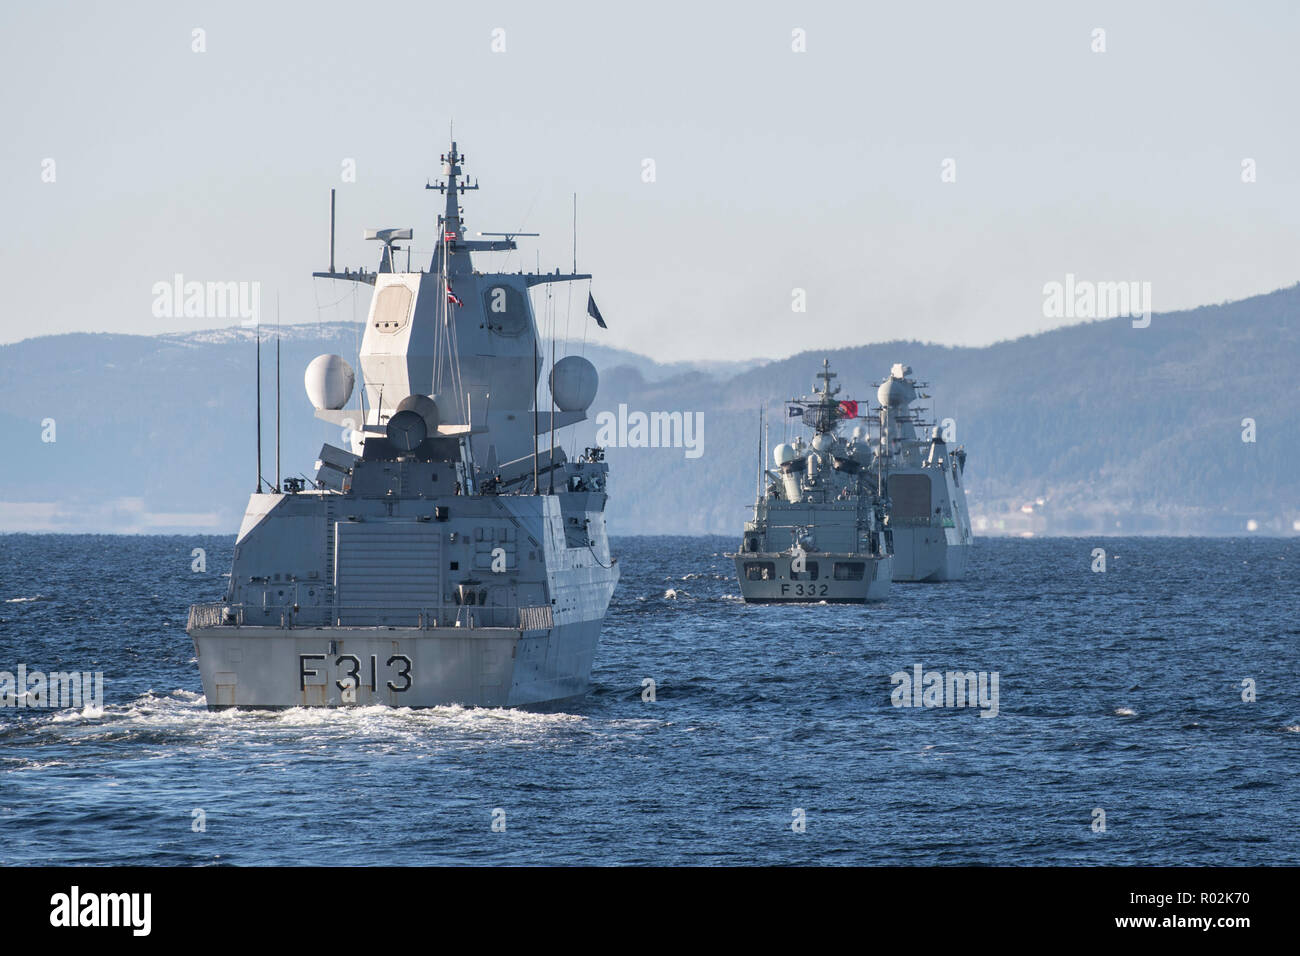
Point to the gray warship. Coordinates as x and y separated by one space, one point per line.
818 532
923 482
452 554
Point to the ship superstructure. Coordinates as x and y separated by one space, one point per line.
452 553
923 482
818 532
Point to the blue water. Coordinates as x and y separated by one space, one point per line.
1118 691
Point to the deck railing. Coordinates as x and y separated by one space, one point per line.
510 617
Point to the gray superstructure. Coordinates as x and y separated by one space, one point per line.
452 553
923 481
818 531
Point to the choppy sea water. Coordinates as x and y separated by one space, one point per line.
1118 691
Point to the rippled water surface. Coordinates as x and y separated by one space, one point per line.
1119 691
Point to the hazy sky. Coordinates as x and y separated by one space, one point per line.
775 169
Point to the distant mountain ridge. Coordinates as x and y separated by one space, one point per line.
1093 428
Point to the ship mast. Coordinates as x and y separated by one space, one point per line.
452 231
827 408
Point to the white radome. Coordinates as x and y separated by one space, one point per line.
895 392
573 384
329 380
783 455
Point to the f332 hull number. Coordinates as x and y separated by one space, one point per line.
805 590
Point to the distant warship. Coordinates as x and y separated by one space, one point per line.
445 557
818 532
923 482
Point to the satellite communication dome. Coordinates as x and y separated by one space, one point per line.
425 407
783 455
895 392
573 383
329 381
823 443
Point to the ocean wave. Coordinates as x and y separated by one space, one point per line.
184 712
72 715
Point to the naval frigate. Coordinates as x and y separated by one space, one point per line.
444 557
923 482
818 532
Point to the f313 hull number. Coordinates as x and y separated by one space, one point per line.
397 671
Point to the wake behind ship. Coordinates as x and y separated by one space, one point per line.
452 554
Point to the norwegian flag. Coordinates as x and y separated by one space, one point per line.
449 236
452 297
850 409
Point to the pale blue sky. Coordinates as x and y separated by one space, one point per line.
775 169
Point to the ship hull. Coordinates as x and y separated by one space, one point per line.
782 586
273 667
299 643
929 555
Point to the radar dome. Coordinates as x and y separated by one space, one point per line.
783 455
895 392
329 381
823 443
573 383
425 407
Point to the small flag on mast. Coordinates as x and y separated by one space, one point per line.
595 312
794 411
452 297
449 236
850 409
